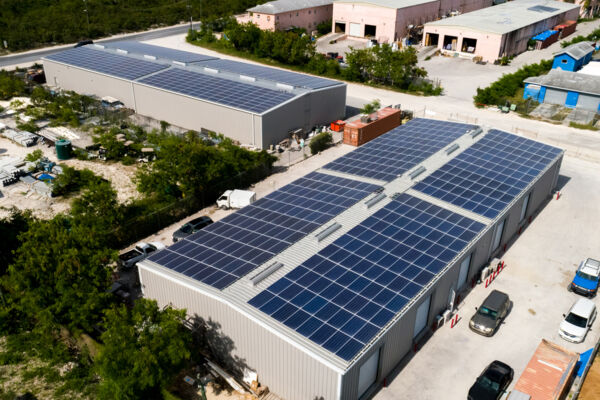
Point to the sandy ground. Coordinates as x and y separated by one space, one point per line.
17 195
591 386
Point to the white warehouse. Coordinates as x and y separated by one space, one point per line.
325 285
249 103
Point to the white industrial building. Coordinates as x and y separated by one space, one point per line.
324 286
249 103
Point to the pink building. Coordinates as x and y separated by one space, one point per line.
494 32
284 14
390 20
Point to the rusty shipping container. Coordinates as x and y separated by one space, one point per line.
357 133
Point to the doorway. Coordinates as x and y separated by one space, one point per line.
498 235
340 27
370 31
463 273
469 45
450 42
368 373
355 29
432 39
422 317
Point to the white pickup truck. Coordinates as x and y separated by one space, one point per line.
140 252
236 199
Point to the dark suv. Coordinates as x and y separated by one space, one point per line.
191 227
492 382
490 314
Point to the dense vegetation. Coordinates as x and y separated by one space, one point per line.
508 85
26 24
379 65
320 142
591 37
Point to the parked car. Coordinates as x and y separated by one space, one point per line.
84 43
236 199
492 383
490 314
586 278
140 252
192 226
578 321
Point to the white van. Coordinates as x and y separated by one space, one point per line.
236 199
578 321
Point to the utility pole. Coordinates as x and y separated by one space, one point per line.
189 7
87 14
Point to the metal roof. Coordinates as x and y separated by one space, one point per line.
567 80
577 50
395 4
281 6
507 17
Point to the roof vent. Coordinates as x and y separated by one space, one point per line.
285 87
122 51
262 275
328 231
211 70
452 149
247 78
100 46
417 172
179 63
374 200
475 132
149 57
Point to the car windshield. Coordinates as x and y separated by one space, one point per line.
588 277
187 228
488 312
576 320
488 383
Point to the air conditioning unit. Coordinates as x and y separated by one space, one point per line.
485 272
447 315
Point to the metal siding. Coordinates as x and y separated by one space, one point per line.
278 122
328 105
554 96
193 113
588 102
287 371
90 83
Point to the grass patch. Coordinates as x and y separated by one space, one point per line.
589 126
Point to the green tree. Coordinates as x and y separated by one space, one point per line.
144 348
371 107
10 85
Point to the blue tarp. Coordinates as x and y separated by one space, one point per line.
584 358
544 35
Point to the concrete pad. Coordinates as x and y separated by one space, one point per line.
545 110
540 265
580 116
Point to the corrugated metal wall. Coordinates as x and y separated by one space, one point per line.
288 371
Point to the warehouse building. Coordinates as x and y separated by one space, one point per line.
565 88
326 284
494 32
252 104
390 20
285 14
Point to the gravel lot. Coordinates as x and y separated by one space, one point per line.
540 265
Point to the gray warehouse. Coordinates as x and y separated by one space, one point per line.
253 104
325 285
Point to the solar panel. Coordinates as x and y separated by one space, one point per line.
344 295
400 149
271 74
487 176
539 8
223 252
106 63
222 91
157 51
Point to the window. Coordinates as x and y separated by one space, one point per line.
268 17
277 18
564 61
257 15
498 235
524 206
297 14
309 11
463 273
422 317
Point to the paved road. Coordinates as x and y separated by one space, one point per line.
35 55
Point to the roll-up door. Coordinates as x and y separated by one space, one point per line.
368 373
355 29
554 96
587 102
422 314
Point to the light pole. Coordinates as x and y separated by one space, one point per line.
87 15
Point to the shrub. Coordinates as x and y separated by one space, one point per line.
320 142
34 155
28 126
324 27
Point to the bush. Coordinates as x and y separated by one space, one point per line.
34 155
28 126
591 37
508 85
324 27
72 180
320 142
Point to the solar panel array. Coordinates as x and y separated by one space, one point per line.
157 51
107 63
345 294
399 150
221 253
271 74
223 91
487 176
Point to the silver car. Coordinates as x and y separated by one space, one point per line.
490 314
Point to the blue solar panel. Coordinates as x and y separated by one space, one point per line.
487 176
157 51
106 63
223 91
221 253
271 74
399 150
344 295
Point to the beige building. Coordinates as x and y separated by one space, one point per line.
494 32
285 14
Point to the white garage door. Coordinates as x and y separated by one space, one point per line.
555 97
587 102
368 373
422 314
355 29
